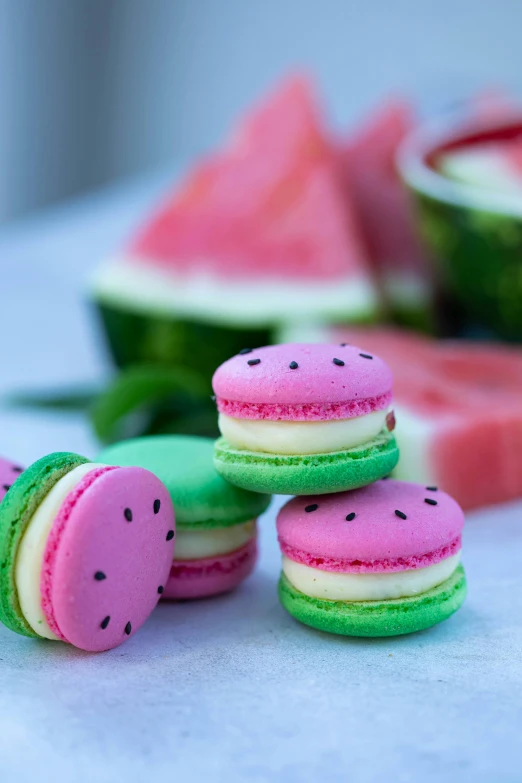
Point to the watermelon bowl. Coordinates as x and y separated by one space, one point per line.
465 176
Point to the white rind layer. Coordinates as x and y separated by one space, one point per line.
484 168
31 550
337 586
260 301
301 437
415 436
197 544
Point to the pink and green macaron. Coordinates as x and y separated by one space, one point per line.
9 472
216 547
383 560
85 551
303 419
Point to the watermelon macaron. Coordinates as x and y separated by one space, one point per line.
381 561
216 545
85 551
300 419
9 472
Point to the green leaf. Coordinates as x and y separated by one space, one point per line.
142 389
75 399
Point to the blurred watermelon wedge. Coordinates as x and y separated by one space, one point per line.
459 412
385 214
257 234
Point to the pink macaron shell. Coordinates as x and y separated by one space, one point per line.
212 575
376 539
9 472
317 389
98 564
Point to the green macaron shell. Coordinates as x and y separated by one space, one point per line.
309 474
376 618
16 511
201 497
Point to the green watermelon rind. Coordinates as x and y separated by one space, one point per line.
478 254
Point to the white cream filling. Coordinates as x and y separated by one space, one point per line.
143 287
301 437
29 558
195 544
338 586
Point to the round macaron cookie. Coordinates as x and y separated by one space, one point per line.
380 561
85 551
216 522
9 472
300 419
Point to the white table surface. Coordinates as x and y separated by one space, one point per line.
233 689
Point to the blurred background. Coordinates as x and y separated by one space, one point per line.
92 91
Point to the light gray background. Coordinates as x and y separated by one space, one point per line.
92 90
232 689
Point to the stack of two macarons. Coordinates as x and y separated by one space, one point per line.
363 555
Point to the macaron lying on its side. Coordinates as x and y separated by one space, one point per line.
9 472
383 560
85 551
216 522
302 419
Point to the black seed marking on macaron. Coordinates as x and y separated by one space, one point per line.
105 622
430 501
7 487
350 516
338 362
160 589
385 478
432 489
17 469
400 514
252 362
128 628
170 535
243 351
157 505
343 345
99 576
311 507
366 356
128 514
293 365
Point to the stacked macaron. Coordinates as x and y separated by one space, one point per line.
301 419
85 550
216 547
362 555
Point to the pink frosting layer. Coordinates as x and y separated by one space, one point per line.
109 550
53 543
212 575
304 412
373 566
351 384
9 472
375 538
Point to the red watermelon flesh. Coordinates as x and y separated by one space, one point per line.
271 204
380 199
468 393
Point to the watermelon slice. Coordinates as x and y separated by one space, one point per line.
259 233
382 204
459 412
